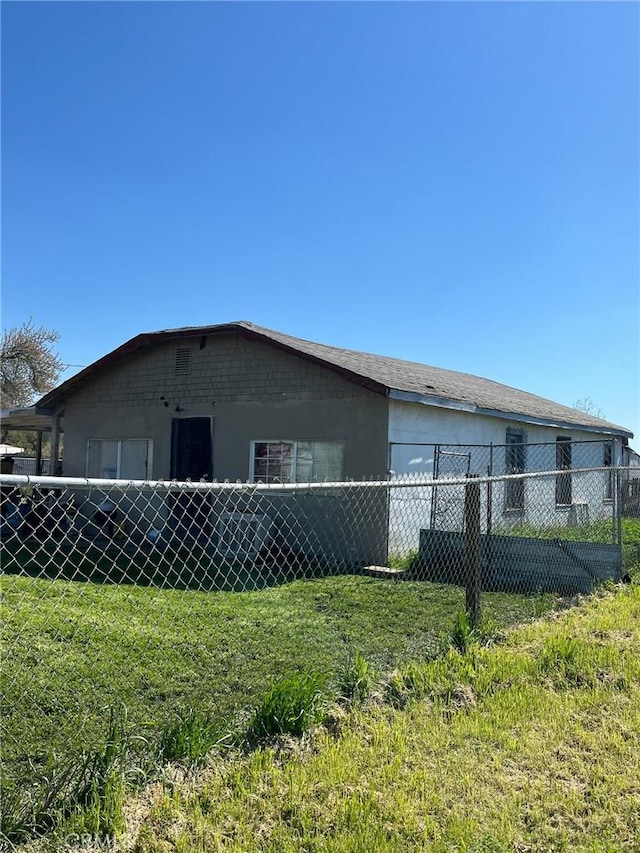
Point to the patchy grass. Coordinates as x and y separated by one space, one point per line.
530 745
183 663
71 650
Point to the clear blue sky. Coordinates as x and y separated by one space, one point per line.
450 183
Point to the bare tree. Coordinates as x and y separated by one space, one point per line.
586 405
28 365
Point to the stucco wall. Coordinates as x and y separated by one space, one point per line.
412 422
420 507
250 390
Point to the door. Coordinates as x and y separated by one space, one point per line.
191 449
191 459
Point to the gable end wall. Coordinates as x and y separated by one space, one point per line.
249 389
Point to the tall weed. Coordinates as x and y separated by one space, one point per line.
192 736
83 794
464 635
291 706
357 680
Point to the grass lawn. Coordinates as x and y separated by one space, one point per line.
529 746
71 649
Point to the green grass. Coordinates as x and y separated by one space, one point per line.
71 650
357 680
184 663
192 735
196 566
529 745
291 706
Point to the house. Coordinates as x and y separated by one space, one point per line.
240 402
237 401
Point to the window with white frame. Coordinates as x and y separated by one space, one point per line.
119 459
296 461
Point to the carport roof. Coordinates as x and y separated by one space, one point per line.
25 419
398 379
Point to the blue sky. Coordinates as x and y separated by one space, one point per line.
450 183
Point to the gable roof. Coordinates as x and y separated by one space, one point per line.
398 379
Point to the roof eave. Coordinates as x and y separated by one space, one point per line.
458 405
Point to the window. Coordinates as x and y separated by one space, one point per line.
608 462
296 461
515 463
563 463
119 459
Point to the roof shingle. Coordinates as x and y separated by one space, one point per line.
403 379
436 382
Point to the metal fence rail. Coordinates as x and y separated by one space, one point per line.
466 539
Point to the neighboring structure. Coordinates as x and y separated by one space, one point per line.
237 401
631 484
28 420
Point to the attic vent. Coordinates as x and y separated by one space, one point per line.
183 361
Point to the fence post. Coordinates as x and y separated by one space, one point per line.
488 548
472 549
618 507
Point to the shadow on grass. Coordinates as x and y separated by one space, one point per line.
193 566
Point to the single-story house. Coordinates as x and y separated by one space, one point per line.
236 401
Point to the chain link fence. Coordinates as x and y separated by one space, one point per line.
516 456
165 594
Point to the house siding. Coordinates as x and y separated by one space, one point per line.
249 389
413 423
421 427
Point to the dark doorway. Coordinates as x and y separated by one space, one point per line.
191 459
191 449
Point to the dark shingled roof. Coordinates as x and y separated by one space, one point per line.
401 379
436 382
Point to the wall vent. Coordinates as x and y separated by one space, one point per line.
183 361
